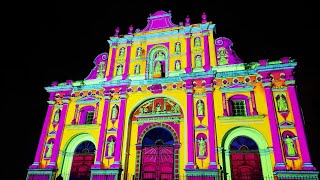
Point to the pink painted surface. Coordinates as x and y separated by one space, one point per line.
207 65
274 130
111 69
42 137
157 162
211 129
159 20
300 129
56 146
102 134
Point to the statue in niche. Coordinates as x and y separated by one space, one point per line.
222 54
121 53
49 151
114 113
119 70
282 103
56 116
101 69
139 52
158 69
198 61
197 42
200 108
177 65
202 147
158 108
291 149
137 69
177 49
111 147
160 56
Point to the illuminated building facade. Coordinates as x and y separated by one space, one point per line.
172 101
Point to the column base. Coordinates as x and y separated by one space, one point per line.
45 174
35 165
188 69
112 174
280 166
287 174
206 67
190 165
308 167
115 165
212 165
207 174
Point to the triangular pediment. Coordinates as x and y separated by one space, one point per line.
159 20
238 87
87 100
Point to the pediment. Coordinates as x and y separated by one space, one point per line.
159 20
239 87
87 100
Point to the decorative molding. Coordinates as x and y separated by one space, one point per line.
83 126
241 119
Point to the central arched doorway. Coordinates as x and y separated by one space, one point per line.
83 159
245 159
157 157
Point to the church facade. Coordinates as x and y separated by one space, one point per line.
174 102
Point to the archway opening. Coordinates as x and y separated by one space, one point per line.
157 160
83 159
245 159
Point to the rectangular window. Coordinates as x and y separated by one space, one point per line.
239 108
89 117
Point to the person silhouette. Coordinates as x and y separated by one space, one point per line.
59 177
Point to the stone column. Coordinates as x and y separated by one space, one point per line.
118 145
127 65
211 125
253 102
101 144
188 53
57 140
207 65
43 136
113 58
279 162
190 125
307 165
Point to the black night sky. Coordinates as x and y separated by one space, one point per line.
55 41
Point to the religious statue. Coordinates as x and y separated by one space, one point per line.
111 147
177 47
198 61
178 65
56 116
49 151
121 53
137 69
282 104
158 108
101 69
202 147
291 150
222 54
197 41
160 56
158 68
200 108
119 70
139 52
114 113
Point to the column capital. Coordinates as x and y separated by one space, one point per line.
290 83
51 102
266 84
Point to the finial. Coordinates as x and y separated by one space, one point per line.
204 18
117 31
187 21
130 29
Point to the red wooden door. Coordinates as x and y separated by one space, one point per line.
157 163
81 166
245 165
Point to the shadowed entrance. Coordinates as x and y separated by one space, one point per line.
157 155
